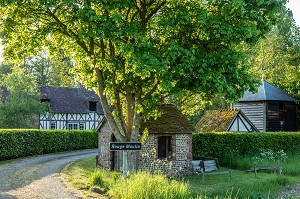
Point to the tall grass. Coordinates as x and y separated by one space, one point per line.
97 178
290 165
143 185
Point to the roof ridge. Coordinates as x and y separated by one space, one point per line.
264 88
63 87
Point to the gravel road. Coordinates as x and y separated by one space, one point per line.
290 192
38 177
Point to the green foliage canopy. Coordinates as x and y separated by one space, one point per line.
50 70
22 106
277 56
138 52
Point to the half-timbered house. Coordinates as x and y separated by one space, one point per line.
270 109
70 108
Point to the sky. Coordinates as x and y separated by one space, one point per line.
294 5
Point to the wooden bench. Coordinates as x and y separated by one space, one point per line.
208 166
275 169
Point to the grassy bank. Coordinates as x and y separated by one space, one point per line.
97 183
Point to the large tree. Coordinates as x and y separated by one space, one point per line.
50 70
140 51
21 107
277 56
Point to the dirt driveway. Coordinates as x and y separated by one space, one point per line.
38 177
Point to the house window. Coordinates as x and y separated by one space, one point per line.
53 125
92 106
164 147
73 126
81 126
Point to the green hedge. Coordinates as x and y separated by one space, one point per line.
15 143
227 144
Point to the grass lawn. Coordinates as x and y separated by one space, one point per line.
82 176
242 185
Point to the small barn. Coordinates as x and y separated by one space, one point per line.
169 139
225 120
270 109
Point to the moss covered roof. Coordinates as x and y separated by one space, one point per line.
216 120
172 121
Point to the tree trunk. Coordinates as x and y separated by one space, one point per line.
132 161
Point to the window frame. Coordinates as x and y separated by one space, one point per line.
73 124
92 106
164 147
53 124
81 126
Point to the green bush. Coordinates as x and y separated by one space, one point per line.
227 146
16 143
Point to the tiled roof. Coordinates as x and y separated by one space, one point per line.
172 121
267 92
70 100
216 120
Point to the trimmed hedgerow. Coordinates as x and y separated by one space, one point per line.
223 145
15 143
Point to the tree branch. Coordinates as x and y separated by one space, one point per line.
102 48
111 48
92 46
130 107
154 11
150 92
108 114
119 106
69 32
137 117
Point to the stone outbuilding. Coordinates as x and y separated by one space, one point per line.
169 141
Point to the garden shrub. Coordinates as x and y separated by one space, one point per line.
16 143
227 146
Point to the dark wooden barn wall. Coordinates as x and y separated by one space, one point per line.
281 116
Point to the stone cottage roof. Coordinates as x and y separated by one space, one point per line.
172 121
223 120
70 100
267 92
